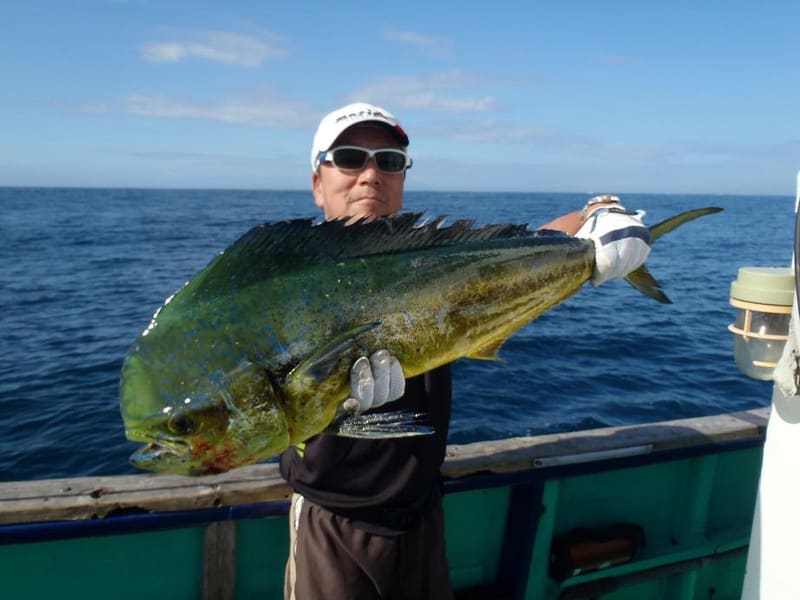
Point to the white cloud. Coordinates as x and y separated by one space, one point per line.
77 108
545 141
218 46
490 132
261 108
99 108
436 47
439 92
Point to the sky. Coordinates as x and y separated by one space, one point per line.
572 96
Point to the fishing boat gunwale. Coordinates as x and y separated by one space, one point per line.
525 472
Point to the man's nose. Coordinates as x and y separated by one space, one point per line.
370 169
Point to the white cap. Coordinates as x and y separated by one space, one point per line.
335 122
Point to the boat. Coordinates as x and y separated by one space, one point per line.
683 509
661 510
770 572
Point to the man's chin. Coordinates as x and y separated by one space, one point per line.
368 208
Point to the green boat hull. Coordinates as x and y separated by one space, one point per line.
689 485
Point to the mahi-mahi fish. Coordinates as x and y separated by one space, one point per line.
253 355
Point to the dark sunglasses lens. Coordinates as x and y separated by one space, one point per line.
390 161
349 158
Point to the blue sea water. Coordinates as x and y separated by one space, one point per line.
83 270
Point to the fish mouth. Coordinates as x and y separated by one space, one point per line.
159 451
153 450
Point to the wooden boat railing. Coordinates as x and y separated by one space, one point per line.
54 509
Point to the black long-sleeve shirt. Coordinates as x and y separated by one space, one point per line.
383 485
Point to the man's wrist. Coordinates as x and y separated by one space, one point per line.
597 202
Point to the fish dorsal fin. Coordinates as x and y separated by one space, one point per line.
337 240
274 248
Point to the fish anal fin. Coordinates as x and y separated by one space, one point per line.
490 352
643 281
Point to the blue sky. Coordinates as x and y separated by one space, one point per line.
673 97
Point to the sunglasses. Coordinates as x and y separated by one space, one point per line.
354 158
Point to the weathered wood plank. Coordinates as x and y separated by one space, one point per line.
522 453
96 497
219 572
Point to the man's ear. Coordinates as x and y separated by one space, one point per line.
316 189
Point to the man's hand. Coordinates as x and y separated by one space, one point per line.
621 240
374 381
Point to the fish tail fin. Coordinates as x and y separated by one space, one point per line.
641 278
667 225
384 425
643 281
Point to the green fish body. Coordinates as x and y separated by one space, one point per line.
253 355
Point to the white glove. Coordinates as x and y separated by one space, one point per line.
621 241
374 381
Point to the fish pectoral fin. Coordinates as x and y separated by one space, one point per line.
383 425
322 363
643 281
489 352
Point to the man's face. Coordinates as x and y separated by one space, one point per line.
365 193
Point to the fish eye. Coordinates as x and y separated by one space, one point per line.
180 424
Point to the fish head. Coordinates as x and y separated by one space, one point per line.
195 423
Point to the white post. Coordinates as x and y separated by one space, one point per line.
772 571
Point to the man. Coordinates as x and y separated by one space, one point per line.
367 519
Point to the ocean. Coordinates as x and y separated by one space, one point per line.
83 270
